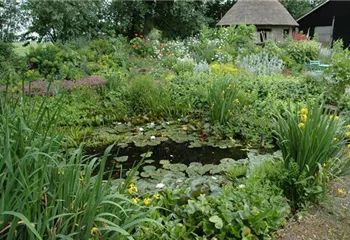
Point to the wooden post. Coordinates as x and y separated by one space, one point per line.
332 32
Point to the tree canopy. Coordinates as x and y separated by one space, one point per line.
64 20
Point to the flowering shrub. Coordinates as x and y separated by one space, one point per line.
141 47
43 87
299 36
228 68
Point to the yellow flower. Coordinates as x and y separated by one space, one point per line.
135 200
304 111
349 146
301 125
82 179
147 201
237 101
303 117
132 188
347 134
185 128
60 172
340 192
334 117
156 196
335 139
93 231
324 165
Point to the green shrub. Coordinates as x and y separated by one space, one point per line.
301 51
338 72
251 210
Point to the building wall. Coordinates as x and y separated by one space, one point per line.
272 33
323 17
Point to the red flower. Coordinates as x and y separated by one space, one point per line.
138 57
134 46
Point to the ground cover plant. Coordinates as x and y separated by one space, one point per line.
209 137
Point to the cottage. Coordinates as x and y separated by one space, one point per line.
272 20
329 20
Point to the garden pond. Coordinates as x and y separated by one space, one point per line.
175 155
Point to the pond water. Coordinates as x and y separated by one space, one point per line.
169 150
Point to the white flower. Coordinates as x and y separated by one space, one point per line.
215 178
240 186
141 129
152 137
160 185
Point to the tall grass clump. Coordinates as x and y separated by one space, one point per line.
48 194
313 145
224 100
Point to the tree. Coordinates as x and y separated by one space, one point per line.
11 19
173 18
179 18
216 9
299 8
64 20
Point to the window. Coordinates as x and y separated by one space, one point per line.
285 32
264 34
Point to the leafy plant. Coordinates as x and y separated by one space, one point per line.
261 64
48 194
309 140
224 100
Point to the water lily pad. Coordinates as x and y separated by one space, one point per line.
122 145
179 167
145 174
149 168
227 160
196 164
206 168
153 143
191 172
121 159
167 166
146 155
195 144
149 161
140 143
163 162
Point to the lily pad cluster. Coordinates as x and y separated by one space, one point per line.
154 133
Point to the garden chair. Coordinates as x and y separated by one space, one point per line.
316 66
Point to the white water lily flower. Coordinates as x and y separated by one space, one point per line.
160 185
153 137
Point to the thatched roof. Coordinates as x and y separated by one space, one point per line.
258 12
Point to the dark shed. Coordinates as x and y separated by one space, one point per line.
330 20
